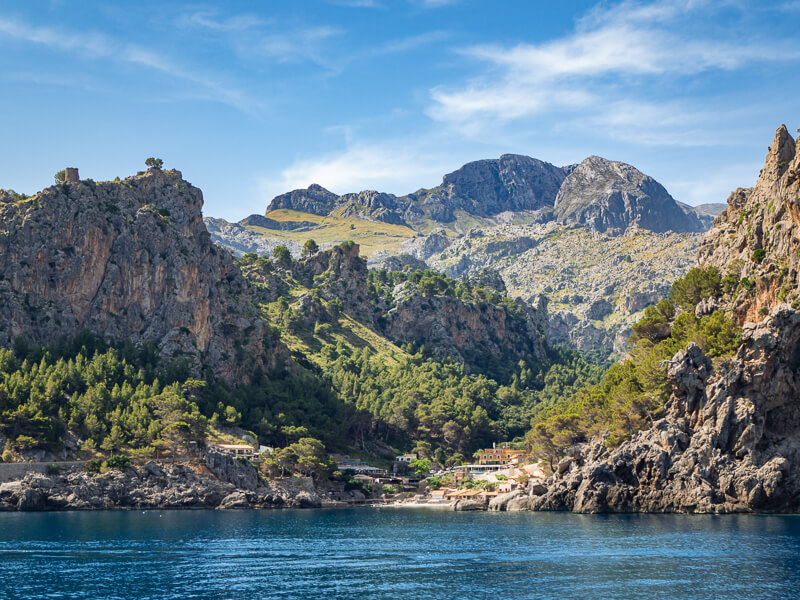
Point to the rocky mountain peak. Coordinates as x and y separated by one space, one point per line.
512 182
610 196
127 260
314 199
757 237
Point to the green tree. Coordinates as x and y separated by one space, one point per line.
60 176
421 466
310 248
282 255
154 163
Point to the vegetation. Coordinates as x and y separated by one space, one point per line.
124 399
335 228
154 163
633 392
310 248
60 176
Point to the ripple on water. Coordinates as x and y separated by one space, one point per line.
364 554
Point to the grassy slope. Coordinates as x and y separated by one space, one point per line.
370 235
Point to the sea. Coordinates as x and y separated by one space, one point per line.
395 553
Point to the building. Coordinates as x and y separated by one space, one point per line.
243 450
507 486
346 463
439 494
405 458
500 456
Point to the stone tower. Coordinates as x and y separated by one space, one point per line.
71 175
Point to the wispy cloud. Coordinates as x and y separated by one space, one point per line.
100 46
300 44
397 166
629 42
358 3
414 41
210 20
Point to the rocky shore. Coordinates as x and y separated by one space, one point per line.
151 486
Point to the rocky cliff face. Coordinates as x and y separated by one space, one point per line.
128 260
596 284
488 187
758 236
315 200
611 196
468 332
730 440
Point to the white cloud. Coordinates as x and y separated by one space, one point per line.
209 20
630 43
301 44
397 167
100 46
713 186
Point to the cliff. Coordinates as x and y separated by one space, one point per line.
128 260
730 437
488 187
611 196
757 238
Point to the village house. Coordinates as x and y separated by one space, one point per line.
500 456
345 463
507 486
439 494
239 450
405 458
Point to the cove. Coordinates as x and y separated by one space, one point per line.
394 553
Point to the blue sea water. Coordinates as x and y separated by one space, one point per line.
390 553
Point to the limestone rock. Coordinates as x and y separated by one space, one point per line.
315 200
611 196
128 260
729 442
757 236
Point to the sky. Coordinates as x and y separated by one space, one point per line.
252 99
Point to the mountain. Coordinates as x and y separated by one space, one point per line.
723 434
705 212
610 196
596 284
546 230
757 236
128 260
315 200
488 187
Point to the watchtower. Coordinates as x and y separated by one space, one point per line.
71 175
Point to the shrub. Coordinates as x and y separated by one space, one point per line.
698 284
118 462
759 254
93 466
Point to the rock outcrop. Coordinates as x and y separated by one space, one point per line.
315 200
611 196
152 486
730 440
128 260
758 237
488 187
474 333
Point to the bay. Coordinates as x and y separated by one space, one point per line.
385 553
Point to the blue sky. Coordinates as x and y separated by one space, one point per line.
250 99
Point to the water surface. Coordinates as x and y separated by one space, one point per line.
395 553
